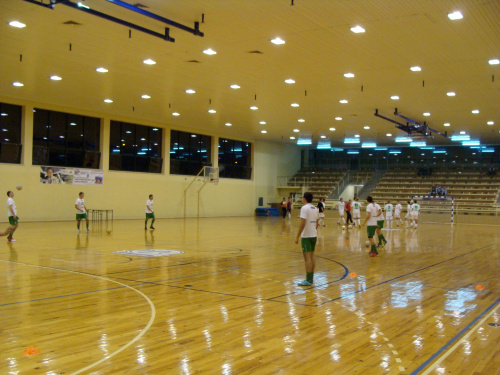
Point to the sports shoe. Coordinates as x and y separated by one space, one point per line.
88 230
11 240
152 227
304 283
385 242
380 245
78 230
145 228
372 254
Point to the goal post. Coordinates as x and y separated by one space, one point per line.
436 209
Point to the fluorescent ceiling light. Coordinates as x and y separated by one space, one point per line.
462 132
102 70
415 69
323 136
18 84
475 111
324 145
471 143
149 62
403 139
439 152
277 40
145 96
289 81
418 144
296 130
55 78
209 51
366 127
292 137
176 114
368 145
343 101
494 62
451 93
212 111
301 120
491 122
488 150
394 151
17 24
337 149
304 141
446 124
254 108
228 124
395 97
262 122
338 118
235 86
426 114
190 91
381 149
349 75
357 29
389 135
427 148
263 131
352 152
332 129
356 135
351 140
108 101
457 15
462 137
294 104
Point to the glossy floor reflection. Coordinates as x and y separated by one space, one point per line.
230 304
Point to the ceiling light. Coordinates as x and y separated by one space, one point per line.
212 111
366 127
228 124
190 91
296 130
235 86
176 114
415 69
403 140
395 97
254 108
55 78
475 111
149 62
343 101
292 137
277 40
108 101
455 15
351 140
263 131
145 96
338 118
389 135
294 104
102 70
262 122
332 129
289 81
446 124
494 62
460 137
489 122
462 132
356 135
349 75
357 29
209 51
18 84
451 93
301 120
17 24
368 145
323 136
426 114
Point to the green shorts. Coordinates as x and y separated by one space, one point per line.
308 244
370 229
81 216
150 216
380 223
12 220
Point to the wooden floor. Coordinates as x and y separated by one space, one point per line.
230 303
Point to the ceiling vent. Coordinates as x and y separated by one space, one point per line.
139 5
72 23
194 61
256 52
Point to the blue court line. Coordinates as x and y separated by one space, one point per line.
426 363
404 275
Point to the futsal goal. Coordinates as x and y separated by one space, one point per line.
436 209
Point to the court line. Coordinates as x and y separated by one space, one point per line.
144 330
452 349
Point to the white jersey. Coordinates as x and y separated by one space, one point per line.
341 207
373 211
310 214
11 204
408 208
415 208
388 210
149 206
80 204
356 210
381 216
397 210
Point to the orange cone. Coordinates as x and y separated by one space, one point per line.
31 351
353 275
479 287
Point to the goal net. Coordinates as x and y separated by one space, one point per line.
435 209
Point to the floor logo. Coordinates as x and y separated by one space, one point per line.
150 252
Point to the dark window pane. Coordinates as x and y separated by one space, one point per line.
92 133
189 152
10 133
234 159
75 132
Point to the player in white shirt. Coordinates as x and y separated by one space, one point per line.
81 211
371 227
389 208
150 213
415 210
321 209
13 218
380 224
341 208
308 233
397 213
408 213
356 212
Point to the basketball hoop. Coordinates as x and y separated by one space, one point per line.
211 175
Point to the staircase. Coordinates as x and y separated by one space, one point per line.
370 185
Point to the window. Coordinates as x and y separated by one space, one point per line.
235 159
189 152
64 139
135 148
10 133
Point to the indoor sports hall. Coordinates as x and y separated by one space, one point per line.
145 152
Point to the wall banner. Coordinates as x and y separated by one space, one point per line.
71 176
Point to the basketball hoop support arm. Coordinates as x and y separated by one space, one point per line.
424 125
186 189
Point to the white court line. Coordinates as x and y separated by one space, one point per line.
459 342
152 318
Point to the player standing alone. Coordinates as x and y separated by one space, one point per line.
321 209
81 211
388 208
13 218
356 212
150 214
308 232
415 210
341 208
371 221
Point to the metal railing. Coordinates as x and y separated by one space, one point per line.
289 181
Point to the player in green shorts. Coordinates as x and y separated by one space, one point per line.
308 233
150 213
81 211
380 224
13 218
371 228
